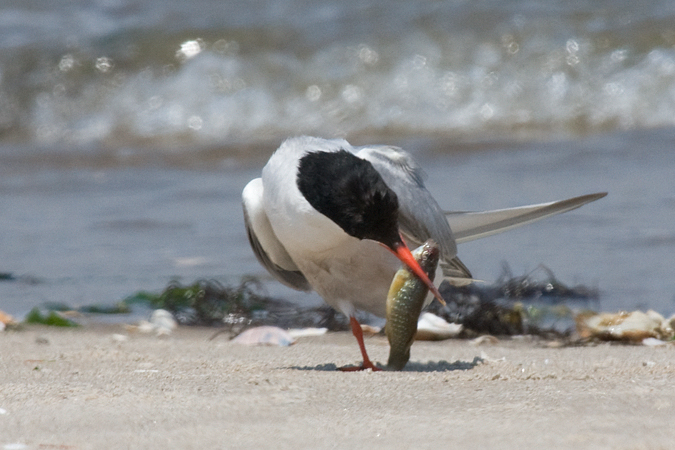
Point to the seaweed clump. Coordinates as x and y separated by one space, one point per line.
51 319
210 303
536 303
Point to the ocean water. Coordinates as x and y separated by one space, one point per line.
129 128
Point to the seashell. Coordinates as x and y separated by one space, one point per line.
5 319
145 327
484 340
306 332
430 327
265 336
370 330
653 342
116 337
15 446
163 322
635 326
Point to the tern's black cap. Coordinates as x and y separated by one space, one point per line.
349 191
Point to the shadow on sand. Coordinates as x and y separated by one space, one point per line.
431 366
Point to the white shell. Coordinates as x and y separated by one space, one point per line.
633 326
430 327
265 336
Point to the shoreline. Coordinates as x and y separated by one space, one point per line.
101 387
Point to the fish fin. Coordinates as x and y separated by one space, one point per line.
455 268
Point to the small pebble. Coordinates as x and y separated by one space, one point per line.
119 337
15 446
369 330
145 327
484 340
653 342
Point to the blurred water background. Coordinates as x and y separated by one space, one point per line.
129 127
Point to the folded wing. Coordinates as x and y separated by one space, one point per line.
420 217
267 248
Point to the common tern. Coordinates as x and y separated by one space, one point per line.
338 219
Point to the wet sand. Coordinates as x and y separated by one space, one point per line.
86 389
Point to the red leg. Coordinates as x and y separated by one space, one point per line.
358 334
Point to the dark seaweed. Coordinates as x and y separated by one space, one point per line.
210 303
536 303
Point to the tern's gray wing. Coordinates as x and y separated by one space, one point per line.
265 244
468 226
420 217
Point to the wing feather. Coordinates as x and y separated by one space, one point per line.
420 217
468 226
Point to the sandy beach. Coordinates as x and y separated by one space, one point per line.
129 129
89 388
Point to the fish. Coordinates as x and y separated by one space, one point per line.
405 300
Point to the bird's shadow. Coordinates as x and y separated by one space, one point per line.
431 366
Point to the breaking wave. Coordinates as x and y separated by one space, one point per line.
120 73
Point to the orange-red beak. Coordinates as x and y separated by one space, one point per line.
403 253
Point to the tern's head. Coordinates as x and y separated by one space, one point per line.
350 192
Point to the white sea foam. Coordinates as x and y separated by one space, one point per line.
210 75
